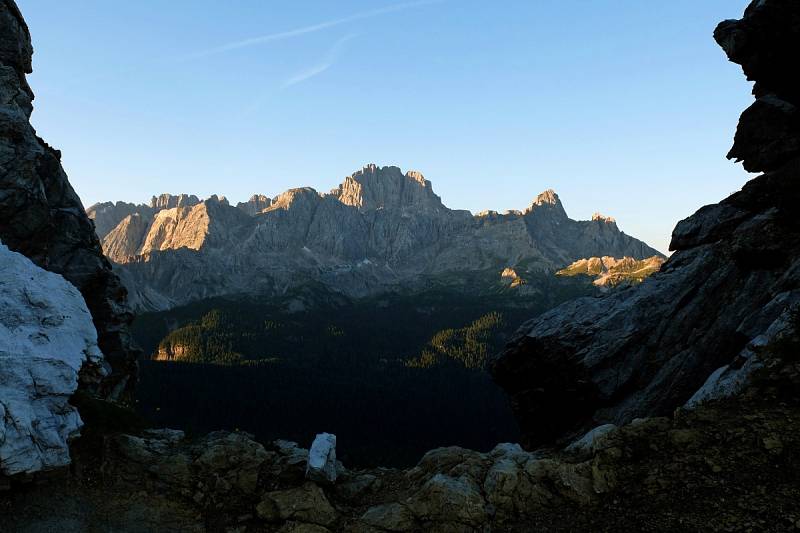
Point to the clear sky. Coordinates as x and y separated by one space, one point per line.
626 107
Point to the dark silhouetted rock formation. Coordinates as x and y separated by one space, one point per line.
729 288
42 217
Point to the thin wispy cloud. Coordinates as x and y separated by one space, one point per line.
253 41
330 59
271 37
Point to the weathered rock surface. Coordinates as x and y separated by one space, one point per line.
46 339
735 274
107 215
322 459
42 217
258 203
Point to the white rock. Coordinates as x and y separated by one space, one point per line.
46 336
322 459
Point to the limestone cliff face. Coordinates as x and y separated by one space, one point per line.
373 188
108 215
381 228
730 287
40 214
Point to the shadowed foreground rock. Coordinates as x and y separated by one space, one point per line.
727 289
727 465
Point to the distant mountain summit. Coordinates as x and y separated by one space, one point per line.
379 230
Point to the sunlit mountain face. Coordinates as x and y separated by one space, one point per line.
380 230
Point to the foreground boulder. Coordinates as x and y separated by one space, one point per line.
42 218
46 338
733 280
322 459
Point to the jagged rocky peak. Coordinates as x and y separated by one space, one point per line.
217 200
375 187
107 215
42 218
549 202
168 201
305 196
257 203
598 217
701 322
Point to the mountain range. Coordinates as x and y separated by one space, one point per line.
380 229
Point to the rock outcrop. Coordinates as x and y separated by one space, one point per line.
258 203
763 42
379 230
46 339
733 280
613 272
42 218
322 466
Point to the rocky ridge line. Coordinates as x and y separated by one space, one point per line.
380 230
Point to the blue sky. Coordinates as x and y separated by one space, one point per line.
622 106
